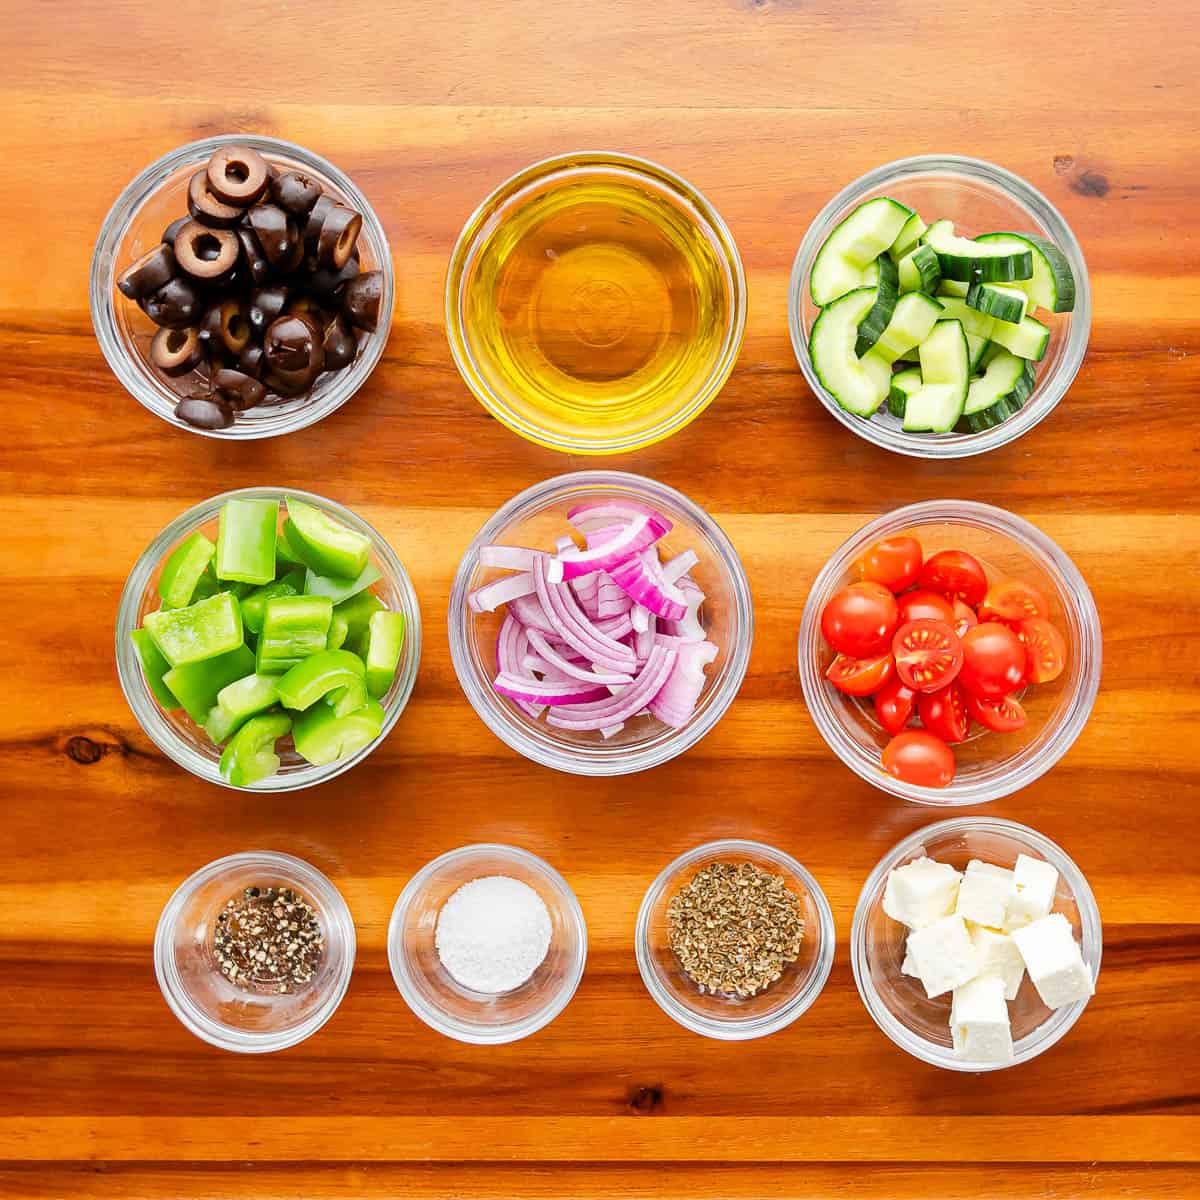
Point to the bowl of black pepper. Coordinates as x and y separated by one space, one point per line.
254 952
241 287
735 940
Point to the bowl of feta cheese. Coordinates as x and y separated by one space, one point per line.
976 944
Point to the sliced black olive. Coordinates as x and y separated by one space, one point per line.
289 383
204 413
175 351
148 274
257 266
293 345
238 389
340 345
206 208
227 324
362 299
295 192
252 361
306 306
295 260
275 231
329 284
175 305
172 229
266 303
206 253
316 218
237 175
339 232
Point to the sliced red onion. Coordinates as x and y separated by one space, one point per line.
616 627
640 618
563 543
688 626
529 611
573 626
587 592
611 600
534 691
641 532
638 695
612 730
673 641
644 640
597 537
511 646
513 558
675 568
676 702
543 648
641 578
592 511
500 591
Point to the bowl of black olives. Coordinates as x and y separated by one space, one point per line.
242 287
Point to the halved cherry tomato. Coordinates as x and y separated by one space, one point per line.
918 757
859 620
928 655
894 562
955 573
1012 600
964 617
894 704
993 660
924 606
859 676
944 713
1002 714
1045 650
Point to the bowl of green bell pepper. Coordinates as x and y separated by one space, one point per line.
268 639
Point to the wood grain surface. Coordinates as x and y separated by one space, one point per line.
768 106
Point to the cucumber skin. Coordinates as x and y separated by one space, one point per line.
1006 406
1008 268
979 296
1061 275
887 292
815 359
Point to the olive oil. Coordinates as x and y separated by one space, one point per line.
598 308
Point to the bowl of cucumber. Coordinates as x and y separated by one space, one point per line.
939 306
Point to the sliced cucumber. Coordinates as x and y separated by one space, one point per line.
1005 302
1052 285
870 276
912 322
910 234
1003 375
1029 339
904 384
977 347
856 241
919 270
963 259
938 403
993 349
887 292
953 287
858 385
972 320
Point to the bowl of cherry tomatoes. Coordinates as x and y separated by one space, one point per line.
950 652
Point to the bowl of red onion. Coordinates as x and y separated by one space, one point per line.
600 623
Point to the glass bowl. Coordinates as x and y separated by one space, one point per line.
147 205
725 1018
536 518
978 197
459 1012
898 1003
620 289
211 1007
988 765
175 733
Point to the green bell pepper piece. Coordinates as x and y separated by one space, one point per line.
286 558
246 540
324 543
196 685
208 585
357 611
199 631
293 628
254 605
250 755
238 702
340 590
322 736
381 650
154 667
183 571
320 674
339 630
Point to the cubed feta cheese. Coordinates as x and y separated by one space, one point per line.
1036 881
920 892
943 955
1054 960
979 1024
984 894
999 956
907 968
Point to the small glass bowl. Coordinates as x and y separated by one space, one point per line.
987 765
898 1003
429 989
175 733
536 518
731 1019
134 224
613 424
978 197
211 1007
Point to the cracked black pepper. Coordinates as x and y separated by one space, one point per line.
268 939
734 928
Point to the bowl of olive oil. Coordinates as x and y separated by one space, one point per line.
595 303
